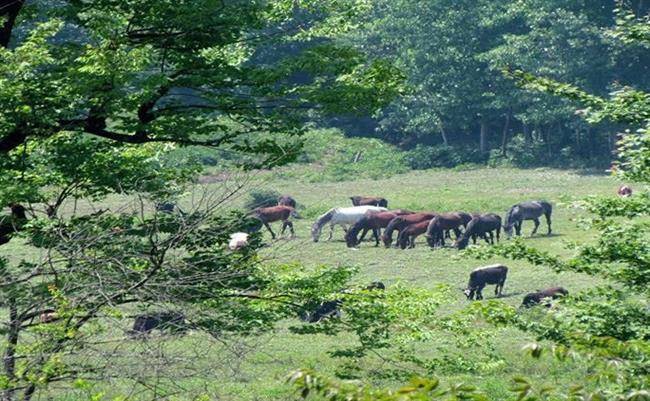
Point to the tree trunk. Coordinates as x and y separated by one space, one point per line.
9 10
444 134
526 134
504 135
10 352
483 138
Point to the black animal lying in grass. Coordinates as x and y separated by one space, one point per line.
535 298
330 309
479 278
173 322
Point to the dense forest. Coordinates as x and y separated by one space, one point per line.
458 96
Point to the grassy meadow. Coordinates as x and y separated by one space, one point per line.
494 190
255 368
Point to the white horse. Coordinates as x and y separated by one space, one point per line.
341 216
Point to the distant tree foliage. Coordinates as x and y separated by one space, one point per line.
453 52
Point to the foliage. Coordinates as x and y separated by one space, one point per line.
262 198
425 157
96 97
338 158
455 84
604 327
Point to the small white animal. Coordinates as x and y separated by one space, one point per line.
238 241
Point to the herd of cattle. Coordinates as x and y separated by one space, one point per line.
372 214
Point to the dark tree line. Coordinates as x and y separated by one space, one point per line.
453 53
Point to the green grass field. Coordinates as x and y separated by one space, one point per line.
481 190
258 368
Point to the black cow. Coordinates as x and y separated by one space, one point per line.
173 322
479 278
329 309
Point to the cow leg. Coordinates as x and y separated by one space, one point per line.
491 237
290 225
498 233
363 234
474 238
479 293
284 227
548 223
536 221
456 232
331 232
412 241
518 227
268 227
375 233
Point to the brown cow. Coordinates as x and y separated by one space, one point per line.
368 201
535 298
370 221
401 222
443 222
272 214
408 235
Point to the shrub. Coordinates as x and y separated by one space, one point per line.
424 157
262 198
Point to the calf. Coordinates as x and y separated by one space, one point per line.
479 278
171 321
535 298
368 201
408 235
401 222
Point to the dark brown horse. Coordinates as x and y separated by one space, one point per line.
11 224
370 221
286 200
401 222
408 235
368 201
481 226
276 213
445 221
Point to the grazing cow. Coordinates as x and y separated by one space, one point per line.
624 191
368 201
329 309
173 322
286 200
401 222
342 216
479 278
527 211
481 226
435 231
238 241
535 298
374 221
272 214
408 235
165 207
